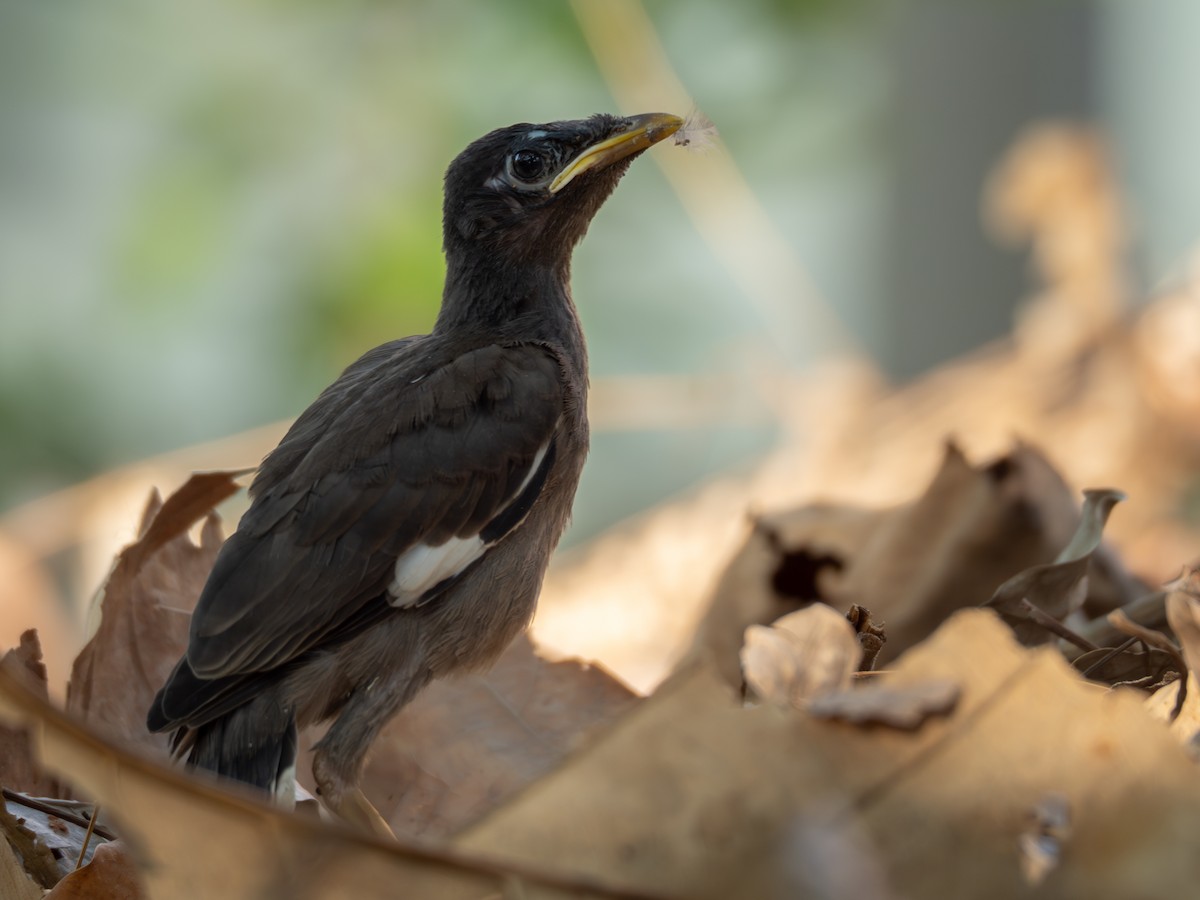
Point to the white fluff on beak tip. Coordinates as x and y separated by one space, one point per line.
697 133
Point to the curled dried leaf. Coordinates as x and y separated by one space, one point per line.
111 875
62 825
1148 636
1175 704
1037 601
871 635
1183 613
1098 504
36 857
18 768
143 628
1126 664
802 655
15 884
1157 640
904 707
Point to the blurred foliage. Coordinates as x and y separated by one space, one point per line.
173 236
358 286
212 207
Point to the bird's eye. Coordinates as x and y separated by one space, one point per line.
527 165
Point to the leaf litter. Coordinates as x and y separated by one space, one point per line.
672 787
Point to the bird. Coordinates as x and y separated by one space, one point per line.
401 529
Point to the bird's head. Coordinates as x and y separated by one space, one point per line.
528 192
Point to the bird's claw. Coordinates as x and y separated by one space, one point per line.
356 809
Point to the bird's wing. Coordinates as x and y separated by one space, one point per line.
400 476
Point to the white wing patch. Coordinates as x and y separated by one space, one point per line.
424 566
533 467
285 788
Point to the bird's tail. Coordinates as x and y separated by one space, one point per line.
254 744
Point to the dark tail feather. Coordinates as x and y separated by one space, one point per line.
254 744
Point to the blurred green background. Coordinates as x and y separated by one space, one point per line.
209 207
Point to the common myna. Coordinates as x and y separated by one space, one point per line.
401 529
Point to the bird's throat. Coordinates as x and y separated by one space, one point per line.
499 296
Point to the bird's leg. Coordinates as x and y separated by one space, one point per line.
338 760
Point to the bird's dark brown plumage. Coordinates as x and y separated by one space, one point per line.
401 529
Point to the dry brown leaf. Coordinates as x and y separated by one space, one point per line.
804 654
191 838
872 635
906 708
1128 785
692 796
193 501
1148 610
1037 601
1183 614
465 745
26 658
1181 605
111 875
971 530
1149 636
144 610
776 572
30 599
672 800
1167 344
36 857
1056 187
18 768
1115 666
15 884
61 826
1183 721
631 598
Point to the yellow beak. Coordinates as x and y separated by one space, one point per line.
644 131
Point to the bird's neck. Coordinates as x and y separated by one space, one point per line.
528 302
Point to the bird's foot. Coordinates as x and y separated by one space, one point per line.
346 800
358 810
